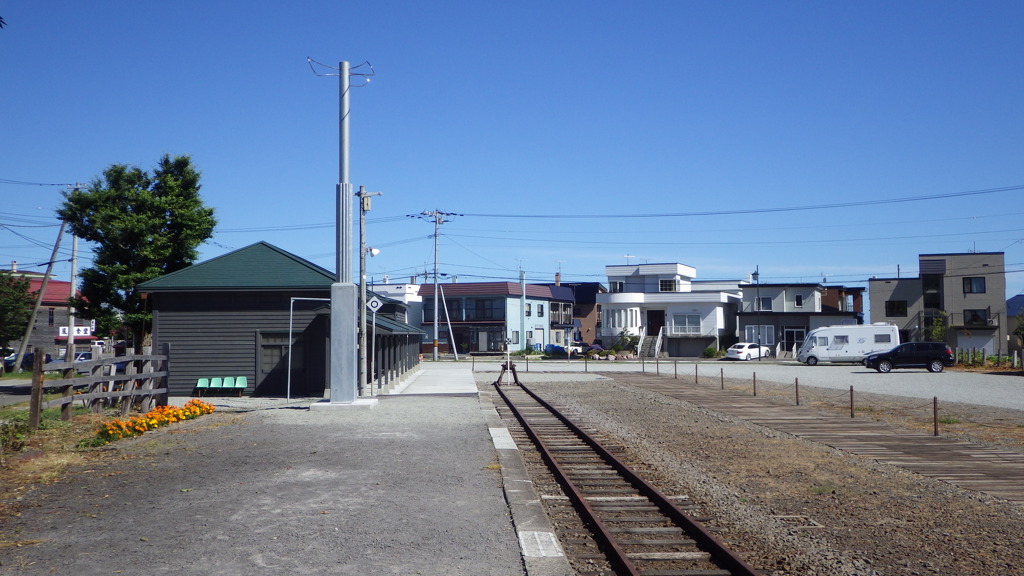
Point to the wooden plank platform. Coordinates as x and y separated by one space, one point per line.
993 471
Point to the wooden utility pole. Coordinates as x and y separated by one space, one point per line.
39 299
36 400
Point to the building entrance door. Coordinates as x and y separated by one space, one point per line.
793 337
273 366
655 322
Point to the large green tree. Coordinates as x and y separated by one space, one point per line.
143 226
15 307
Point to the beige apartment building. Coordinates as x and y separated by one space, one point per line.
964 291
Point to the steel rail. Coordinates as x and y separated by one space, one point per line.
719 553
618 558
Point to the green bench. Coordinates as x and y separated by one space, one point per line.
229 383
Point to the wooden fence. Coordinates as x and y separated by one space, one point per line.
124 382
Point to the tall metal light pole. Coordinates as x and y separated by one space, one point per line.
344 330
343 293
757 307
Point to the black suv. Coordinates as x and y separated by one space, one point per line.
931 355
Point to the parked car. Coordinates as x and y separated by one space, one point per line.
554 350
79 357
578 347
26 361
746 351
934 356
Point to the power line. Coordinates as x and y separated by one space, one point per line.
758 210
295 227
547 231
24 183
816 241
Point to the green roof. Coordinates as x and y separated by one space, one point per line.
392 326
260 266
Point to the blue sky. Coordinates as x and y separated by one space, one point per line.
568 135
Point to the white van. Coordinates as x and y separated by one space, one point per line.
847 343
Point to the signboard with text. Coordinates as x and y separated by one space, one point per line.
79 331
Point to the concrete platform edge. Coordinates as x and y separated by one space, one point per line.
528 516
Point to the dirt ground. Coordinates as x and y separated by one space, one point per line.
269 487
869 519
795 507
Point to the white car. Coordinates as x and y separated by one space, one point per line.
746 351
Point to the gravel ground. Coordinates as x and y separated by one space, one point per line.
408 487
952 385
794 506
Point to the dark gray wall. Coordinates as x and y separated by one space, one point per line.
217 334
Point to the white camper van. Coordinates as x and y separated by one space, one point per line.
847 343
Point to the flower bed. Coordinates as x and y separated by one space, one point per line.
112 430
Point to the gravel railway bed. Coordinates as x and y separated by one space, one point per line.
608 518
792 506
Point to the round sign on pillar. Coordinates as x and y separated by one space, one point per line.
374 304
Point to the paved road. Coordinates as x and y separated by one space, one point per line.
13 391
948 386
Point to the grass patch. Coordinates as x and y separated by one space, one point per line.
32 458
15 433
824 489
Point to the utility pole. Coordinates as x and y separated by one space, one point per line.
70 355
439 218
757 298
522 309
39 299
364 207
344 340
344 363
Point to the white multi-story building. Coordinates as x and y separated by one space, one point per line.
674 314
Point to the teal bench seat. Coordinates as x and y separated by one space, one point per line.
228 383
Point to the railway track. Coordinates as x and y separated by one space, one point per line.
609 519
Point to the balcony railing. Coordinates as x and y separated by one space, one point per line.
465 316
561 318
677 331
973 319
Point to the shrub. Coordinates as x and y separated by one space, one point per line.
712 352
527 352
626 341
12 433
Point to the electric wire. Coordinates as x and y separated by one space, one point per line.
759 210
24 183
717 242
